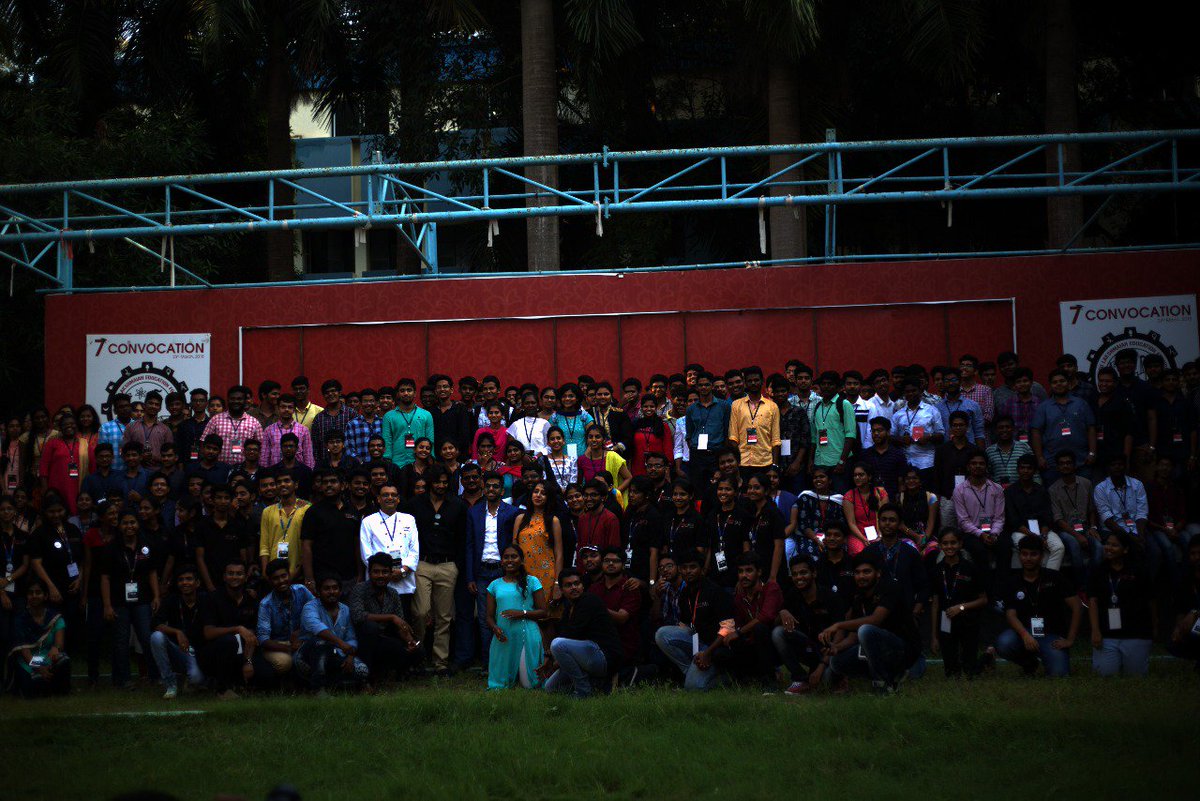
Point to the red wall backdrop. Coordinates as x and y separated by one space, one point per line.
645 323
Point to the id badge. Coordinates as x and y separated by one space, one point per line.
1022 437
131 592
1037 627
72 471
1100 435
36 662
282 549
1114 619
695 643
11 481
410 442
629 557
236 451
1196 628
572 450
1077 526
1128 522
72 570
985 525
1066 430
945 624
608 444
722 562
8 571
1177 437
395 557
751 436
785 447
822 437
702 442
195 454
918 433
862 654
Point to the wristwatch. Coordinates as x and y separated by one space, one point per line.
961 608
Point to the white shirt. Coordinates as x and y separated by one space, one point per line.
565 472
491 538
530 432
681 444
397 536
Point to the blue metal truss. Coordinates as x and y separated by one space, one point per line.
37 220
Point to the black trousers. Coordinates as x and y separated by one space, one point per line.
220 661
960 649
383 651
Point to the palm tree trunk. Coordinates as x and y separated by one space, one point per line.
278 101
539 117
787 234
1064 215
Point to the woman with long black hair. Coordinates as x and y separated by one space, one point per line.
515 603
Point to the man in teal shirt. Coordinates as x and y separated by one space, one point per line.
833 430
405 424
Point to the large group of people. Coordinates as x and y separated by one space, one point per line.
796 530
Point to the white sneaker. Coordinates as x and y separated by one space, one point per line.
170 694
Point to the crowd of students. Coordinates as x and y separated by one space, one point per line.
701 528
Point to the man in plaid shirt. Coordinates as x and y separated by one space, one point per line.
335 416
971 388
234 426
368 424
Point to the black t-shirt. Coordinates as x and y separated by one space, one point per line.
837 578
642 530
683 533
159 542
183 544
334 536
813 618
222 611
222 544
58 553
12 554
726 532
441 532
175 613
1187 593
899 621
957 584
703 607
1135 597
765 529
1045 597
128 565
588 619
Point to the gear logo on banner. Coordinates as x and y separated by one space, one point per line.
1144 344
136 382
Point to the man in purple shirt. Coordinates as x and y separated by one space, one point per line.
979 507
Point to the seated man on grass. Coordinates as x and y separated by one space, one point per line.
179 632
279 616
879 636
329 653
386 641
1043 614
695 645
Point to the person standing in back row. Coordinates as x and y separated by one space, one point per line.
754 426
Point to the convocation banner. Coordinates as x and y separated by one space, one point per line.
135 364
1094 331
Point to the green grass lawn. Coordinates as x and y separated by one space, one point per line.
1000 737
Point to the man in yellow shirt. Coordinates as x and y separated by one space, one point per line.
279 534
754 426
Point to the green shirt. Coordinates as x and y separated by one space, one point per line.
836 429
398 426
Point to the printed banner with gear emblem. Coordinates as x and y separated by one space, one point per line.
135 364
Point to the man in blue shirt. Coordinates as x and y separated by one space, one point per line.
953 401
328 653
707 424
279 617
1062 422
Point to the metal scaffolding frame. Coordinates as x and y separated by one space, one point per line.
41 222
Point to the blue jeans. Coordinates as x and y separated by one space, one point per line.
885 656
1083 562
1056 662
483 577
799 653
676 643
579 661
1128 656
136 617
325 667
170 660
